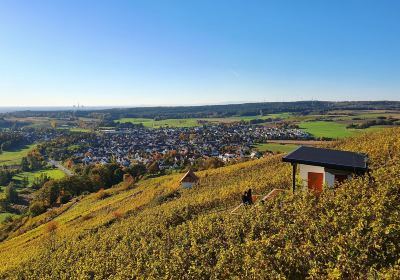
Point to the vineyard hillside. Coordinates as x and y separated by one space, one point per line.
157 230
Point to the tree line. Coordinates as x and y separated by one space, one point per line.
246 109
11 140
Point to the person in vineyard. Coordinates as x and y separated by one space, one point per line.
249 197
244 198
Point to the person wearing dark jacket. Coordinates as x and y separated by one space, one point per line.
244 198
249 197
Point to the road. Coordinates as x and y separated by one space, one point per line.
61 167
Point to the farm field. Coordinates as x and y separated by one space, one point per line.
326 129
47 122
314 124
14 157
161 123
364 114
33 122
192 122
264 117
334 130
246 118
276 148
52 173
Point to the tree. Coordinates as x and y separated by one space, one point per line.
6 176
11 193
3 205
38 182
24 164
154 168
37 208
48 194
136 170
118 176
212 163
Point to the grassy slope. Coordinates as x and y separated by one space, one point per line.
14 157
52 173
31 175
100 212
349 233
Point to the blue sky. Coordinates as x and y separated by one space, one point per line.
131 53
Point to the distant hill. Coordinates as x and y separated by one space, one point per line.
158 230
247 109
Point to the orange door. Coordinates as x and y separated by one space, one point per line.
315 181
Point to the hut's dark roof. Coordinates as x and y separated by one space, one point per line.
189 177
334 159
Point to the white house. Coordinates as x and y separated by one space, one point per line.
324 167
189 179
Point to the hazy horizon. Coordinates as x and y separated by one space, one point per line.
10 109
175 53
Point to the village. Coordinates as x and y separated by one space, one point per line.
226 142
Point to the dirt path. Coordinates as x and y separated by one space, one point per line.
60 167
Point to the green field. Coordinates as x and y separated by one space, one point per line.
363 116
52 173
276 148
14 157
326 129
334 130
191 122
368 115
162 123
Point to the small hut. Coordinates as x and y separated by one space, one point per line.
319 167
189 179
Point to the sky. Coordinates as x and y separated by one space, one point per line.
166 52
